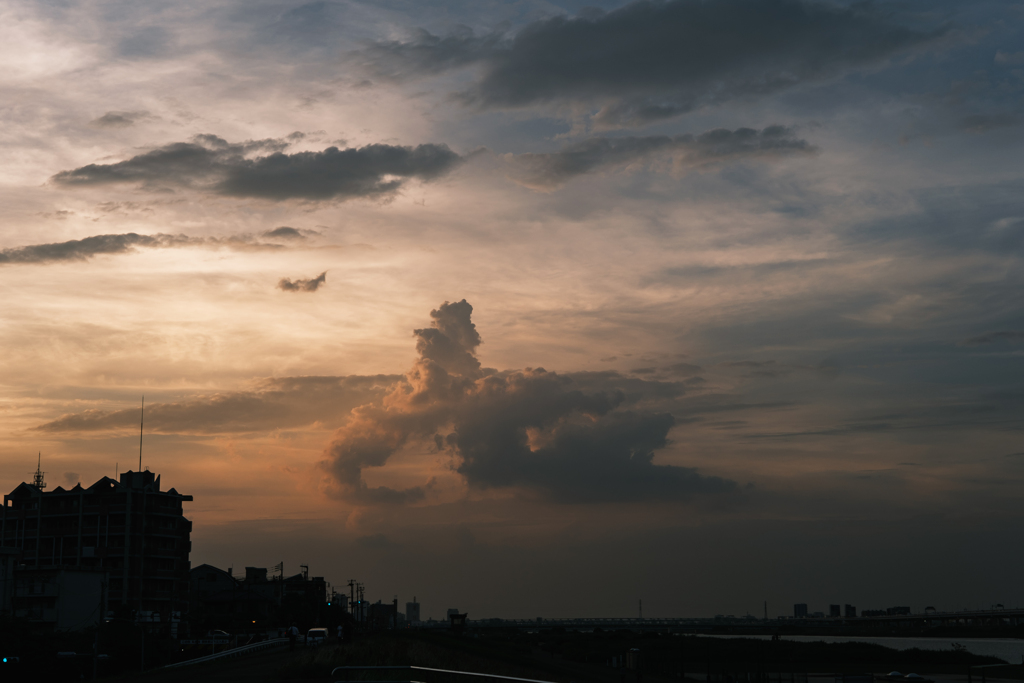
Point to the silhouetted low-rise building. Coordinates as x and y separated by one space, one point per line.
60 599
220 600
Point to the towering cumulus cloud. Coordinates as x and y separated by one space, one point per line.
534 431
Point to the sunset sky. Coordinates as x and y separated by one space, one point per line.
532 308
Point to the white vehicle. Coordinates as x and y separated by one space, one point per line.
316 636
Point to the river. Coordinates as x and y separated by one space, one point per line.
1009 650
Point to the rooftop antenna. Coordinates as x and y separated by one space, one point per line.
37 478
142 418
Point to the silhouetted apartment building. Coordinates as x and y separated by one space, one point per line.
129 530
833 611
8 561
800 610
850 612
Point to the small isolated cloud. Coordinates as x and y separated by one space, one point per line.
649 61
572 439
310 285
120 119
550 171
261 169
993 337
86 248
983 123
287 233
1004 58
72 478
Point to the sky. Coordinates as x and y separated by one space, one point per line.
532 308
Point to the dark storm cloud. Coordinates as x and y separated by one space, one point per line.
120 119
261 169
993 337
279 403
95 245
310 285
653 60
544 434
549 171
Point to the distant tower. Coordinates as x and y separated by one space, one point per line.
37 478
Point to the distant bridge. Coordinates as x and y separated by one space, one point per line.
966 618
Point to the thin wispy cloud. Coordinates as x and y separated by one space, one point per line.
714 147
99 245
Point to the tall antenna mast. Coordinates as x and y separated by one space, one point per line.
37 478
142 418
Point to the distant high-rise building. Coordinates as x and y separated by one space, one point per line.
412 611
851 612
453 610
834 611
800 610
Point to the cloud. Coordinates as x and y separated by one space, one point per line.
993 337
261 169
550 171
278 403
311 285
86 248
120 119
983 123
537 432
649 61
287 233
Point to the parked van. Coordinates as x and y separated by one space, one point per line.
316 636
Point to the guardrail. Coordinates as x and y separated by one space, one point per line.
227 654
347 669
